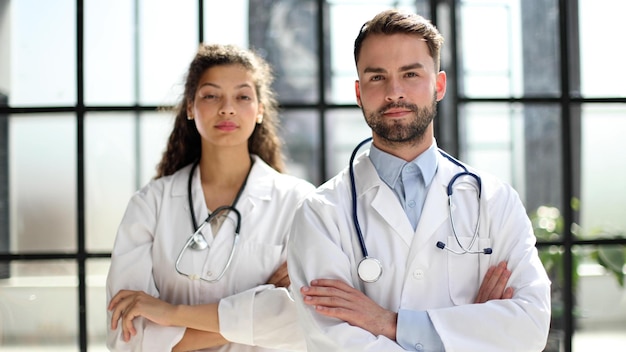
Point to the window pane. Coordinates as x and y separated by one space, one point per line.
603 193
97 324
155 129
110 174
122 152
600 314
236 20
42 164
286 32
39 307
345 129
552 259
600 55
498 58
345 19
168 40
520 144
110 52
300 131
43 71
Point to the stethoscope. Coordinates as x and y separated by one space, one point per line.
197 241
370 269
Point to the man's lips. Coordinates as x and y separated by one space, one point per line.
396 112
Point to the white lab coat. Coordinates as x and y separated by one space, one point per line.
155 227
416 274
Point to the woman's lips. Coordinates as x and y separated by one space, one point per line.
226 126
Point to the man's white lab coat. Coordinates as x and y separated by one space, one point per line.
154 229
417 275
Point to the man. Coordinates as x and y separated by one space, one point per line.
424 292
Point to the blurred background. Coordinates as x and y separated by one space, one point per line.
536 96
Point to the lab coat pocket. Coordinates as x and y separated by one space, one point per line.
465 271
256 262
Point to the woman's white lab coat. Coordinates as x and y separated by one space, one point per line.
417 275
154 229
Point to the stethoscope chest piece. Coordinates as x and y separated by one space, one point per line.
369 269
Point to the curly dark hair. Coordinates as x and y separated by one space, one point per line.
184 144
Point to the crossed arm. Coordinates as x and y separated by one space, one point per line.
201 321
334 298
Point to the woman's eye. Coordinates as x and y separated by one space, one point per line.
245 97
208 96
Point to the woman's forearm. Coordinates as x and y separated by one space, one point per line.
197 339
202 317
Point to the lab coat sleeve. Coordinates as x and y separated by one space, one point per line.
274 322
517 324
131 269
315 251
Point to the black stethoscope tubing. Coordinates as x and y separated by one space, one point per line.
374 275
197 241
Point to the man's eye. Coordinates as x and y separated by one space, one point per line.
377 78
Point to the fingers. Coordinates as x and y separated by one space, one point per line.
326 294
280 278
121 306
494 284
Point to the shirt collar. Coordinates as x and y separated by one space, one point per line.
389 166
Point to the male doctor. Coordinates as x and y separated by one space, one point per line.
431 285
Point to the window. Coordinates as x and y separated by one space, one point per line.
535 96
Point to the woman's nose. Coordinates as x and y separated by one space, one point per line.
227 108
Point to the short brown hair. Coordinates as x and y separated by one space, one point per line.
395 21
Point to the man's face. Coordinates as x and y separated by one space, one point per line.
398 87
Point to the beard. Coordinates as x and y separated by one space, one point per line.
394 131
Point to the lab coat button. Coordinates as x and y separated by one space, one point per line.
419 347
209 273
411 204
418 274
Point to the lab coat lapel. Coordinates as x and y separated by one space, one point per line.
382 200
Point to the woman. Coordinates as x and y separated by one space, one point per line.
169 290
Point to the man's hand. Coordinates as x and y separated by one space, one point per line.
127 305
494 284
280 278
334 298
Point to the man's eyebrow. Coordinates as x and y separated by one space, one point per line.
374 70
414 66
408 67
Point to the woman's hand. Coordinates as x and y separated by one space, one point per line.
126 305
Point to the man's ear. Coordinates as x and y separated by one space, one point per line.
357 90
440 85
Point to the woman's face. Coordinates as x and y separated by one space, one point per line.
225 106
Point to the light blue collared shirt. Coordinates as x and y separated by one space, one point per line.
410 182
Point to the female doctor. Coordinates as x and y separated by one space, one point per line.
380 259
199 257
